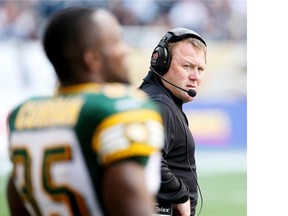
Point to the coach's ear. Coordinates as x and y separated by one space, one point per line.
92 60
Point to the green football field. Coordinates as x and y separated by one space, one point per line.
222 179
3 203
224 194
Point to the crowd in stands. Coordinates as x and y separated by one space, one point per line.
218 20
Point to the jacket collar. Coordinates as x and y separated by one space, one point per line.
83 87
154 79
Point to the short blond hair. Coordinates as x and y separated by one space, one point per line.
194 41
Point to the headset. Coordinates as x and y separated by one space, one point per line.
161 58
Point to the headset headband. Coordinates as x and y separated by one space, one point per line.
177 34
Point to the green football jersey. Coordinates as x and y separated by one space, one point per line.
59 145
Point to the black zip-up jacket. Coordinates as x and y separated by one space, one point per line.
178 169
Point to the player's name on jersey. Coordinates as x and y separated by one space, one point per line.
46 113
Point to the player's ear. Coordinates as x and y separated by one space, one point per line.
92 59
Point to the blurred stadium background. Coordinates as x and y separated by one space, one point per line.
218 116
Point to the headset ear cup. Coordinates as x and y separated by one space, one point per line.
160 60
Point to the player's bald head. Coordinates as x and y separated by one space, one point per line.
69 32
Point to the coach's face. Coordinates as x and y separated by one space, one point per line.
114 51
186 69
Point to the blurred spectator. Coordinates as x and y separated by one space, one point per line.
17 20
124 14
144 11
219 12
87 3
189 14
238 18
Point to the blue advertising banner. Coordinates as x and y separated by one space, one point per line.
218 125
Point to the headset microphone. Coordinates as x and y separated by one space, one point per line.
190 92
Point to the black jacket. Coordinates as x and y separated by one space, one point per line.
178 171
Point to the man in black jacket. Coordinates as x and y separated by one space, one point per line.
176 71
